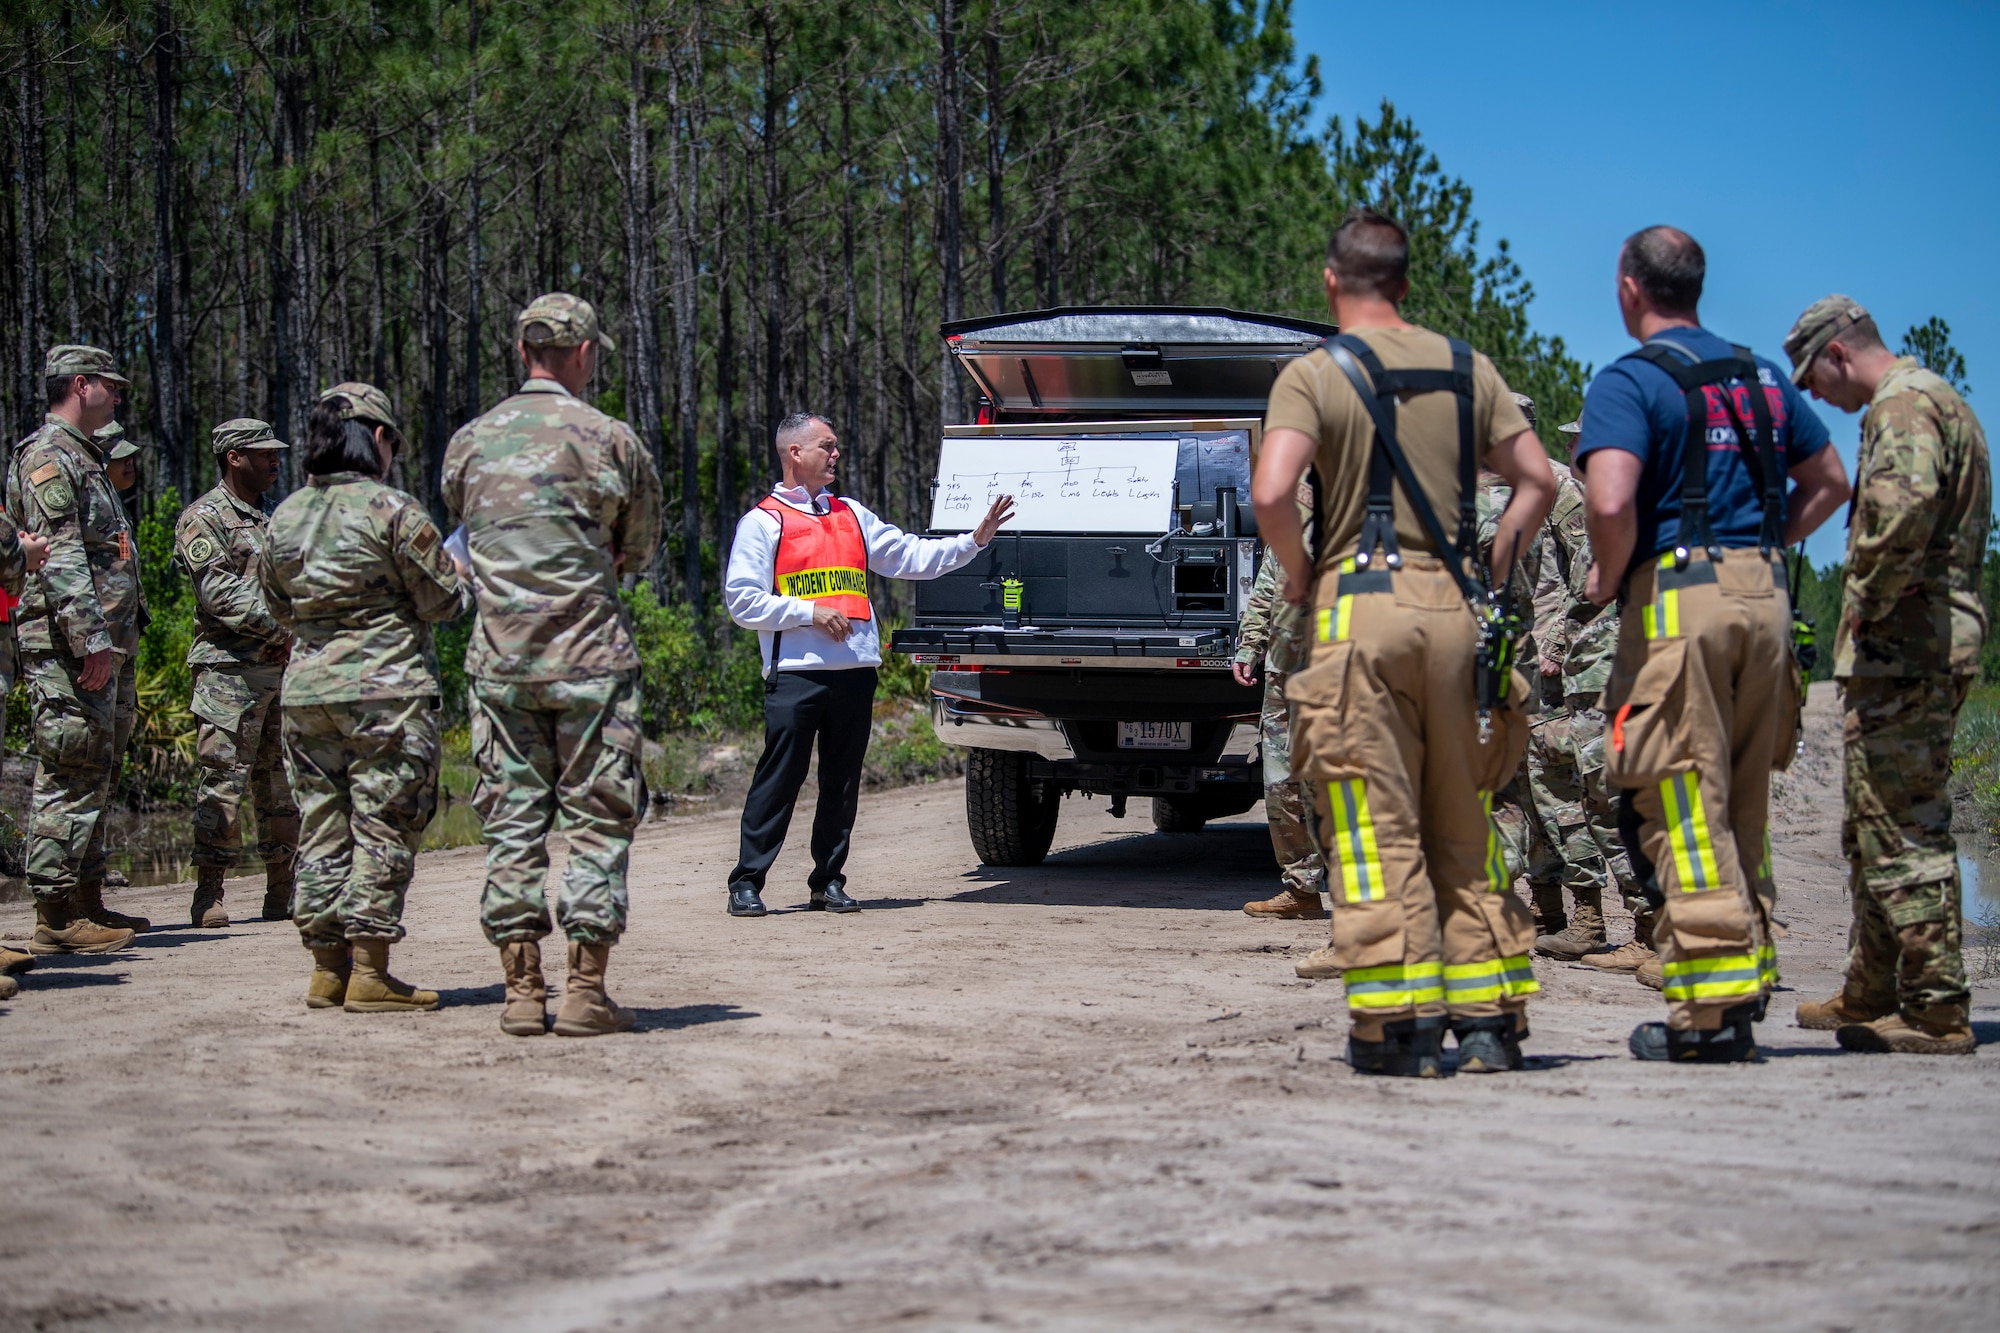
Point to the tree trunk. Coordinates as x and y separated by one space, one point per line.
774 254
170 389
473 271
641 269
29 226
951 221
850 332
685 192
725 412
996 123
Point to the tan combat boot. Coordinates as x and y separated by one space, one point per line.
1628 957
1584 933
586 1010
1937 1029
207 910
1651 974
526 1014
1317 965
1289 905
327 988
280 878
61 929
89 900
12 960
1843 1010
370 988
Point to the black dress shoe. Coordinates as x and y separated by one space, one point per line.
744 900
833 898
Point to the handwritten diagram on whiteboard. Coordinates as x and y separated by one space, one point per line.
1058 485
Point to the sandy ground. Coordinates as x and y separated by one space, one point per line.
1087 1095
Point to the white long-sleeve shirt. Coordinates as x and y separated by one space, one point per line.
749 587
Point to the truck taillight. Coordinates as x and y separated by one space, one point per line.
955 667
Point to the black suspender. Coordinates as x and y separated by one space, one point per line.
1388 464
1759 444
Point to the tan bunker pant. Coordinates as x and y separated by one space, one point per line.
1704 703
1387 740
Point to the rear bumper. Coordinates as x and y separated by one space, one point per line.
1080 754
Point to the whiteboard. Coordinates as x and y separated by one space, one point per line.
1059 485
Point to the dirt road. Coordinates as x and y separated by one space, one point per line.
1087 1095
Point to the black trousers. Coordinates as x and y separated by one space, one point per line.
834 708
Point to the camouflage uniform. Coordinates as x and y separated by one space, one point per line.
553 494
1525 846
1906 652
1273 638
13 578
358 573
238 659
85 600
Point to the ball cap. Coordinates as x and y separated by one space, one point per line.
243 433
112 440
365 402
562 320
78 359
1527 406
1572 427
1823 321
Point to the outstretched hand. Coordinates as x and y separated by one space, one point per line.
1002 510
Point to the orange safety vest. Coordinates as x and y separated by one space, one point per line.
822 557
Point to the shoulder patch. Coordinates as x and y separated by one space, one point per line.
200 551
426 539
44 473
55 495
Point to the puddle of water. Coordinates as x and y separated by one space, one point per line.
1980 900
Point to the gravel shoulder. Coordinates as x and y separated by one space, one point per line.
1092 1094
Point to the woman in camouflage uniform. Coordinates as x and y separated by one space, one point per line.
359 573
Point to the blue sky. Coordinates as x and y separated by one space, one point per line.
1810 148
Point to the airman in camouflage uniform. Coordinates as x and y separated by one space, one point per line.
238 659
1905 654
78 629
556 500
1525 845
358 573
1272 638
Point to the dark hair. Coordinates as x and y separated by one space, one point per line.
1863 335
57 387
1668 265
1370 253
334 444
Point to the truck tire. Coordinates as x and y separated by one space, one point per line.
1179 814
1011 816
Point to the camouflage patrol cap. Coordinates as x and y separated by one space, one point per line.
1823 321
365 402
561 320
112 439
1527 406
243 433
1572 427
77 359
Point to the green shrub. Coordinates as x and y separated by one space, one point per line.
688 681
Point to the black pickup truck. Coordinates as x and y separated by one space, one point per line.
1098 661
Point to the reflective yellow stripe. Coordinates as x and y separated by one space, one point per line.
1473 983
1662 615
1764 866
1731 976
1687 834
1497 878
1518 975
815 583
1395 986
1354 834
1343 619
1767 965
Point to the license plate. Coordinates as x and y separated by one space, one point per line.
1153 736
